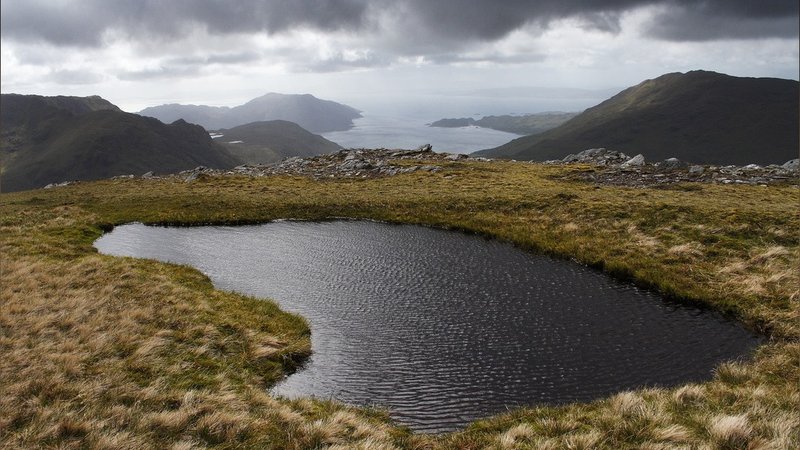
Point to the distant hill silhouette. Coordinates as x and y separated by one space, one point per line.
272 141
52 139
311 113
699 116
526 124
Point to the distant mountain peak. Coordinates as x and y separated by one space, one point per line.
311 113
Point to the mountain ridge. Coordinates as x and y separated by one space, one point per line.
698 116
86 138
313 114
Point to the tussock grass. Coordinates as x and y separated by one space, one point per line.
103 352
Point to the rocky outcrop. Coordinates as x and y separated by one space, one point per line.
598 156
350 163
792 164
600 166
609 167
671 164
617 168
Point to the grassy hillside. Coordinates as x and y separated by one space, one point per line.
43 142
21 109
33 118
701 117
272 141
105 352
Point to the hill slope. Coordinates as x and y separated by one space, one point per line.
272 141
50 139
309 112
699 116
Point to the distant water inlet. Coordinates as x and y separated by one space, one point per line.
442 328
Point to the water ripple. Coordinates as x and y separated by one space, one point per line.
443 328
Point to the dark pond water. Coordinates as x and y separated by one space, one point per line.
443 328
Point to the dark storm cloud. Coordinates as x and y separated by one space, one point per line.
489 20
84 22
732 19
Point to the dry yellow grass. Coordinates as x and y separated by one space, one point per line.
102 352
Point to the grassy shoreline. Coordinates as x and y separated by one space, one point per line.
181 364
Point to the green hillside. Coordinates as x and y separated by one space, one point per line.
53 139
272 141
702 117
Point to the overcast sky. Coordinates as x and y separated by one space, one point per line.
139 53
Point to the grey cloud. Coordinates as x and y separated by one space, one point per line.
214 58
490 20
602 21
338 63
160 73
427 28
447 58
188 65
716 20
233 58
58 24
75 77
83 23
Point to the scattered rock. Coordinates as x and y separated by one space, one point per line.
349 163
598 156
636 161
672 164
148 174
636 172
611 168
696 170
792 164
55 185
192 175
354 164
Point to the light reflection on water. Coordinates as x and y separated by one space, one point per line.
390 132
